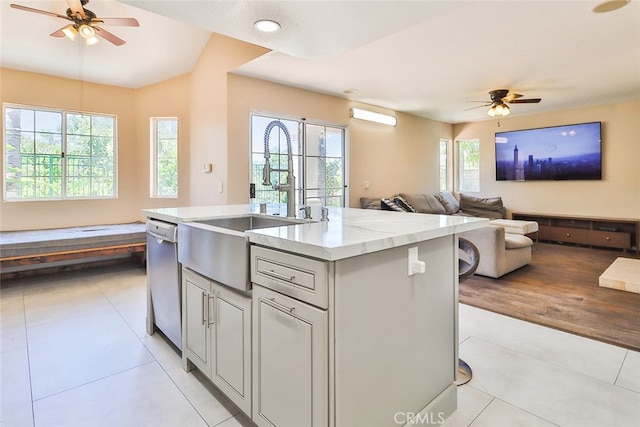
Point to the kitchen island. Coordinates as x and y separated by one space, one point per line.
347 322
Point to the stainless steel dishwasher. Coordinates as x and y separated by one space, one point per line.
164 282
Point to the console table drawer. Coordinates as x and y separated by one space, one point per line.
570 235
544 232
610 239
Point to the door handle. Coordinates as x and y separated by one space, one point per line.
204 300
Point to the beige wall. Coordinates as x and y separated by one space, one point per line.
166 99
616 195
392 159
213 108
46 91
208 105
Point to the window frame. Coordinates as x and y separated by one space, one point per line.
447 164
154 177
459 169
64 156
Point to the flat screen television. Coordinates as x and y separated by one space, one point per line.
569 152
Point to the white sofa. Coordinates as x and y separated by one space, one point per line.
500 252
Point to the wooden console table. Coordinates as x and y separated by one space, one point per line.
619 233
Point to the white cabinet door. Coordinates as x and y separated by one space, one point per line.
196 341
290 365
231 346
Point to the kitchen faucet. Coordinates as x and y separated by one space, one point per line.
290 186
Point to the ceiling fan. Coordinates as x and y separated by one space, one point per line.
498 99
84 22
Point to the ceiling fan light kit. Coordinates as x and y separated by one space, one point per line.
84 22
499 99
500 110
70 32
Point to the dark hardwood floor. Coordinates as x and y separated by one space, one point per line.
560 289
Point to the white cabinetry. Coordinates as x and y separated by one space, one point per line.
290 362
386 343
217 335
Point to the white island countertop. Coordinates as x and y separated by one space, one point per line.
349 231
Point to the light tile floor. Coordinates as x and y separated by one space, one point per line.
74 352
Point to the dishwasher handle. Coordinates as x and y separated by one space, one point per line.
162 231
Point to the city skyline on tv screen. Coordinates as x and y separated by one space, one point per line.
570 152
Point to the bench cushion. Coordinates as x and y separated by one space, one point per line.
32 242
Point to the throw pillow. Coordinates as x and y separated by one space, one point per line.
424 203
370 203
485 207
400 201
390 205
449 201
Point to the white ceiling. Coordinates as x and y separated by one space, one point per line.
422 57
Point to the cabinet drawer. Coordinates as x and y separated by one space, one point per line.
610 239
544 232
570 235
302 278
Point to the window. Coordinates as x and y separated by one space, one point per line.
469 165
164 157
445 166
318 161
54 154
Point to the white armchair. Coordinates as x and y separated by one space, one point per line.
500 253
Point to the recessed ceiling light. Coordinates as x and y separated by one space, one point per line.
266 25
610 6
351 91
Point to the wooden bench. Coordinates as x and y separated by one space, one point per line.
26 253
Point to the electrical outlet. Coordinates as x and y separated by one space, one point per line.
365 185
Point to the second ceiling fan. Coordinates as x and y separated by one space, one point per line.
84 22
499 100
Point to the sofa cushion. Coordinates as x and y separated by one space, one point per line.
400 201
448 201
516 241
485 207
390 205
370 203
424 203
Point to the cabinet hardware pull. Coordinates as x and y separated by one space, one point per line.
211 314
280 276
273 303
203 299
607 238
568 234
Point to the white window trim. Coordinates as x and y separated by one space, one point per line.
64 163
153 159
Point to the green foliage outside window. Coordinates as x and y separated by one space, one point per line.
46 160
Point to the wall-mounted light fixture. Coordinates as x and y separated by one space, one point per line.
385 119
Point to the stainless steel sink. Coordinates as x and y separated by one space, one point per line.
219 248
250 222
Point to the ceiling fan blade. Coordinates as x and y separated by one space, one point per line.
57 33
525 101
479 106
108 36
511 96
123 22
42 12
76 8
